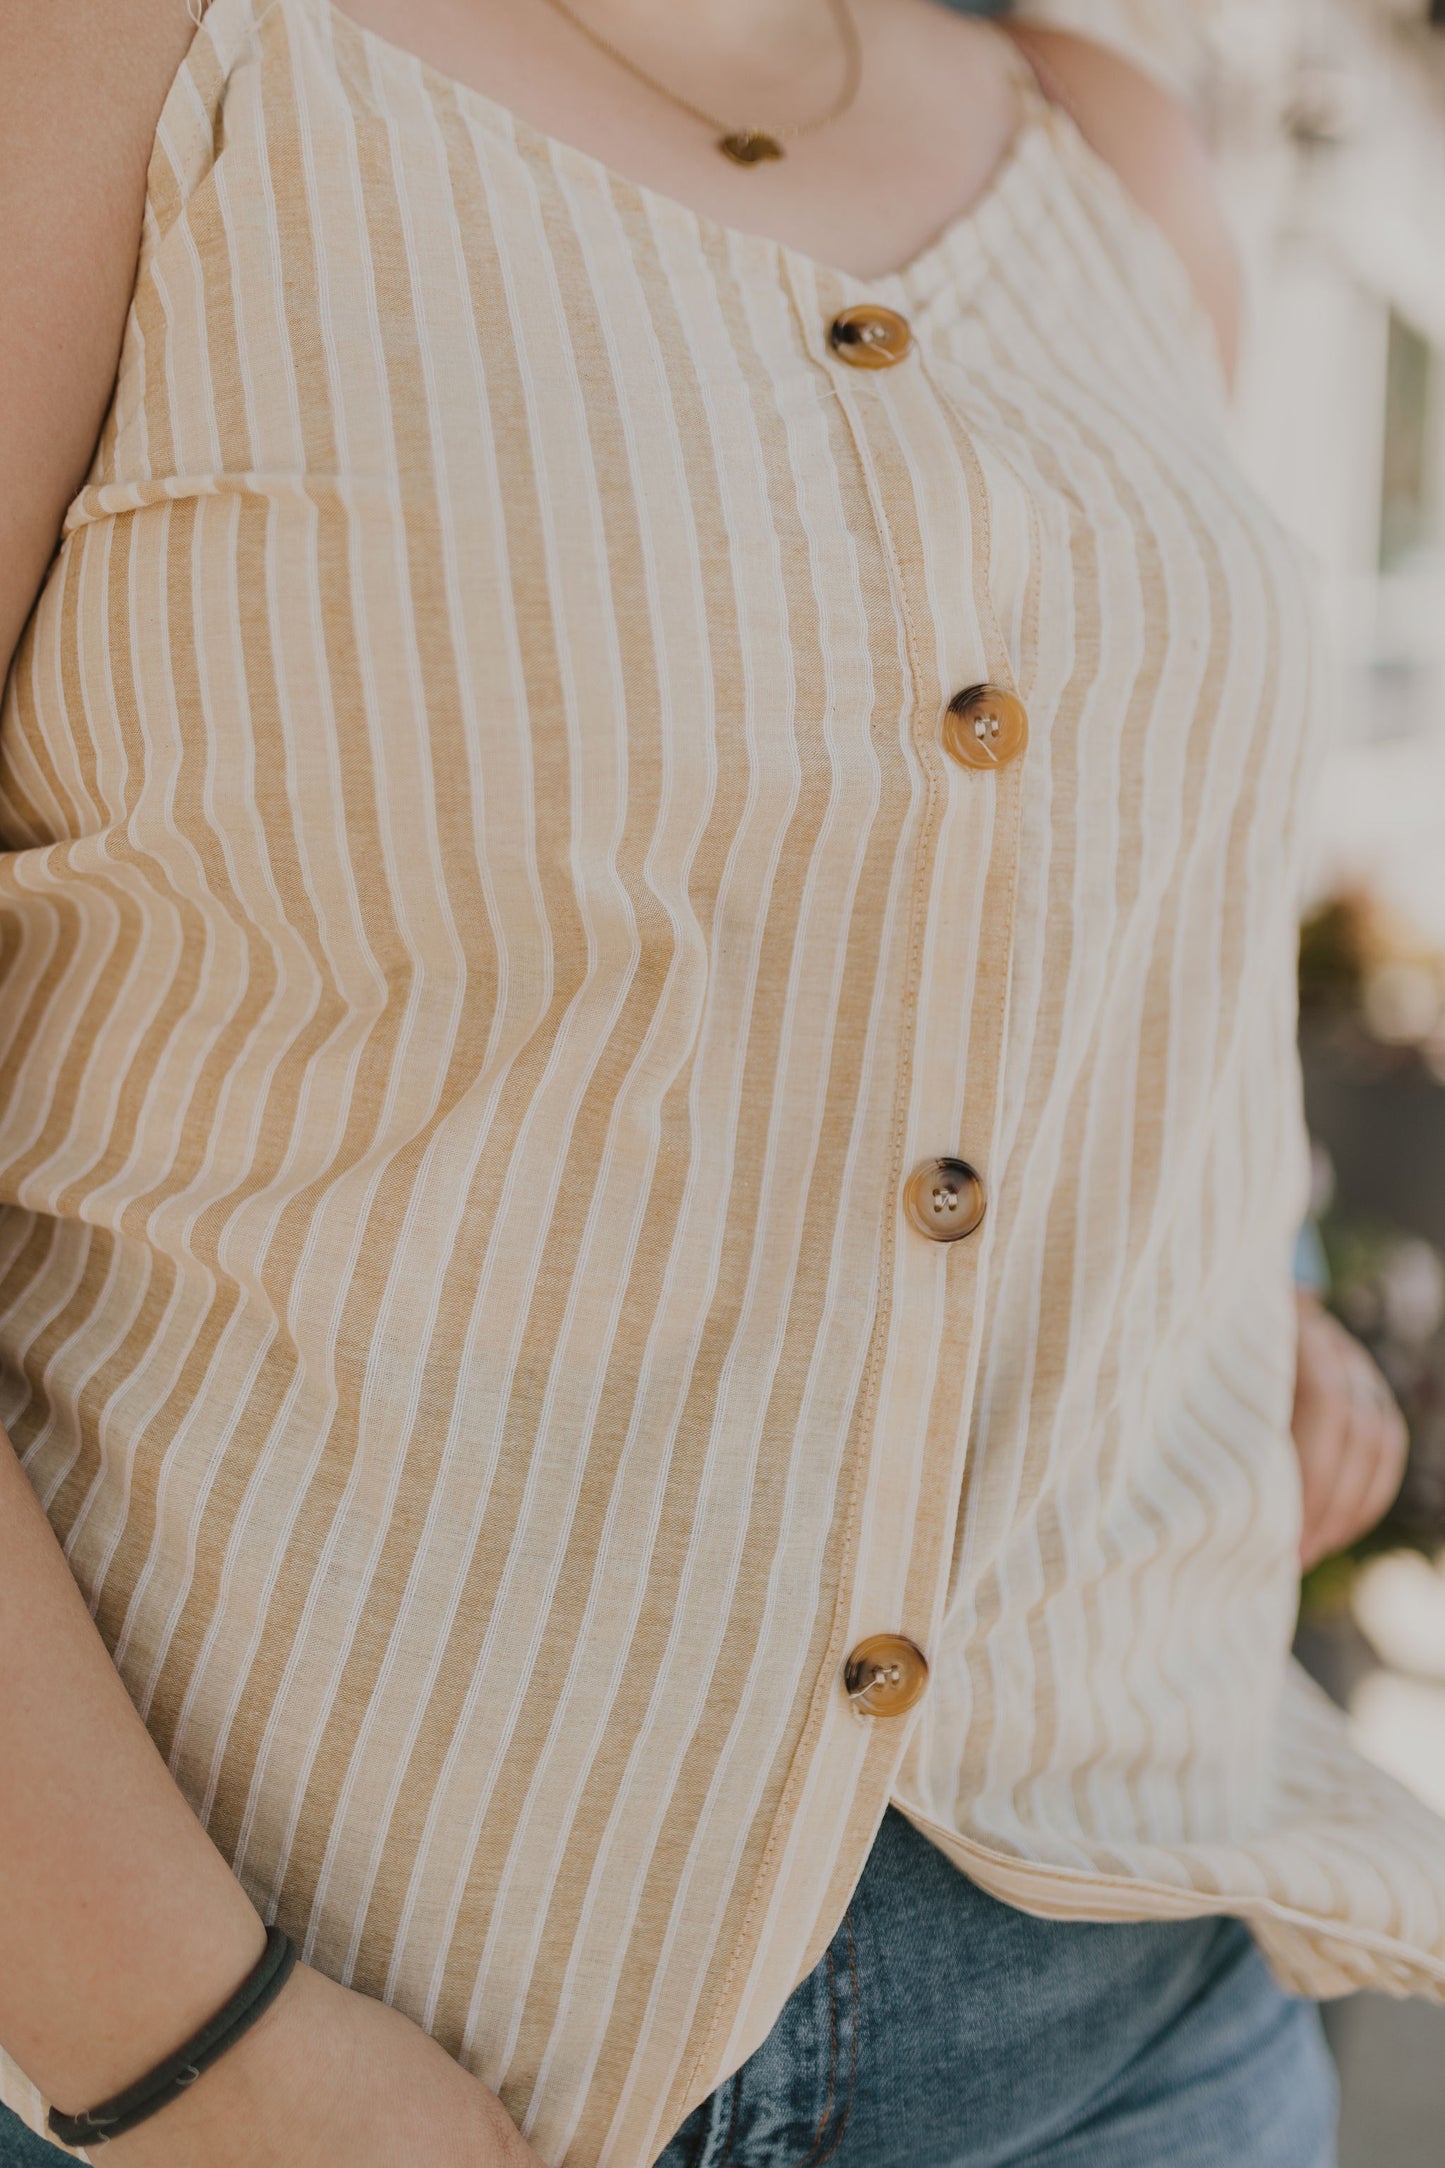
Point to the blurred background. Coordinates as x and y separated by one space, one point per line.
1328 119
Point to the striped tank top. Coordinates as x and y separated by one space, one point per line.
503 945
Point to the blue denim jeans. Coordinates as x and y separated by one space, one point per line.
945 2030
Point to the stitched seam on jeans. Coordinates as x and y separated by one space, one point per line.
822 2123
813 2156
727 2153
847 2107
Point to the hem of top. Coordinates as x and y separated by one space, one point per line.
1027 1883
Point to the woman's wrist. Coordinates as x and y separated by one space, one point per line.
124 1928
241 2107
136 2010
328 2075
164 2082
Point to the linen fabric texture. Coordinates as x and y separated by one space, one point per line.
489 928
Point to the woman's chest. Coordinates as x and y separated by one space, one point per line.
517 480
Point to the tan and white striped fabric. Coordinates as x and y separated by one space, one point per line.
489 926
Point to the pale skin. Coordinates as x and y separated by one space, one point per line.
1349 1434
122 1926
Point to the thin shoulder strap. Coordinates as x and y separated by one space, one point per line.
1032 70
1179 199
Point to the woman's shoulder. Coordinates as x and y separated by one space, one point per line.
1152 141
81 89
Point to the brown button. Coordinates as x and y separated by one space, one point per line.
986 727
886 1675
870 337
944 1199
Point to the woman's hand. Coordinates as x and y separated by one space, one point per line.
329 2079
1349 1434
125 1930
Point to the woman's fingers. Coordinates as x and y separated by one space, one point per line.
1372 1470
1350 1436
1374 1458
1390 1473
1321 1424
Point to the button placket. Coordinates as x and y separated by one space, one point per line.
901 1519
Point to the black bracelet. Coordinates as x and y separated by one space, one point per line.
256 1993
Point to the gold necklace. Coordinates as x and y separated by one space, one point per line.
744 146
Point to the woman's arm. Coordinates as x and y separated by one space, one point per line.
1348 1431
121 1926
122 1929
1156 149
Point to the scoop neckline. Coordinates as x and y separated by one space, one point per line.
506 121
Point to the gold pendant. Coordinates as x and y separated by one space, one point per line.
749 147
